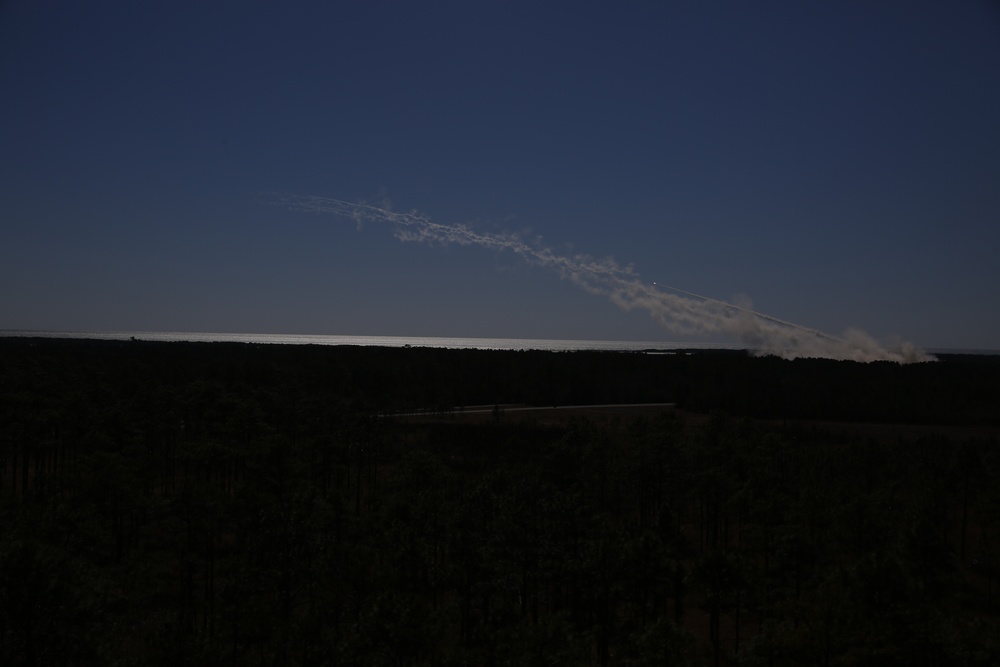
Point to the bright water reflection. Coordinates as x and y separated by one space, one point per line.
381 341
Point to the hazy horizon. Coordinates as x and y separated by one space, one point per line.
393 340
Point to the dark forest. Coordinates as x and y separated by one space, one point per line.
241 504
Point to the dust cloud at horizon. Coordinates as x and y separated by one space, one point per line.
678 311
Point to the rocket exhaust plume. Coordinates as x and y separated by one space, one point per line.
676 310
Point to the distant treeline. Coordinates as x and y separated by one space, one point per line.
209 503
957 390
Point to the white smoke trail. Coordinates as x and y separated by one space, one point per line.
678 311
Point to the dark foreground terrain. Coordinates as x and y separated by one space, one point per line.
174 503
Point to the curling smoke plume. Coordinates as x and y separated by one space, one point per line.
680 312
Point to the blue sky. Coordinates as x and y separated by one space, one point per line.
836 164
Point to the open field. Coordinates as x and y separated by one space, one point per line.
622 413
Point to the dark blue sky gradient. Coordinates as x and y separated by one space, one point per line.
838 163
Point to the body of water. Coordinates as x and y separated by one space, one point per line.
381 341
551 344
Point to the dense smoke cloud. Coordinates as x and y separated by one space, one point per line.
680 312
